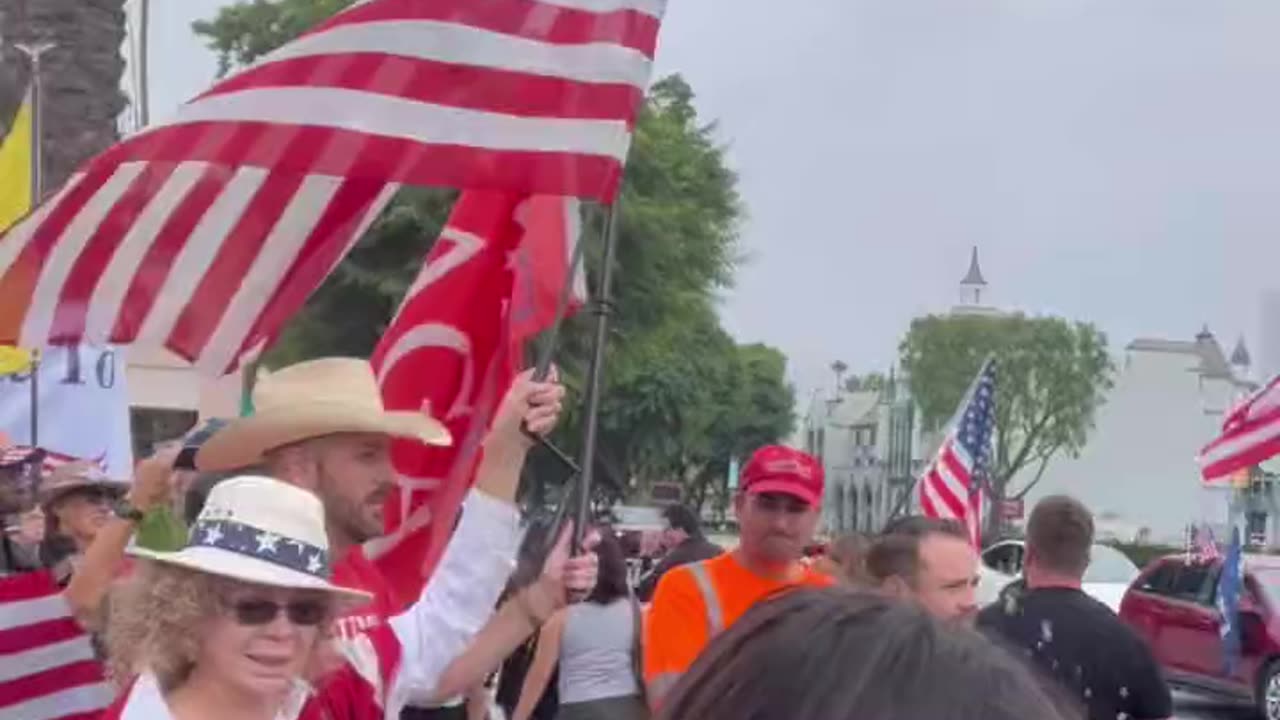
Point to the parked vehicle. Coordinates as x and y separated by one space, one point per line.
1108 577
1171 605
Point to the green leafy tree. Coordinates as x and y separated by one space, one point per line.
1051 377
873 381
680 397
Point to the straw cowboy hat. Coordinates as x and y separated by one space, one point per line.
76 475
263 531
308 400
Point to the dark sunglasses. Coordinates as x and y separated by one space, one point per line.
303 613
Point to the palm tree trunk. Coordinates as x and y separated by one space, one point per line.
82 97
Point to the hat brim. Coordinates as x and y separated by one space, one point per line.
783 486
244 441
244 568
52 495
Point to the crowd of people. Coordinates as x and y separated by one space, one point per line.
270 610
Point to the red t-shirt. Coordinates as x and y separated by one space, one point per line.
356 571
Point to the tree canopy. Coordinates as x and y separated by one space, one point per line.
1051 376
680 396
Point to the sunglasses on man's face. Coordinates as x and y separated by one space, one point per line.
258 611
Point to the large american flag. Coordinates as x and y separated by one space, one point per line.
950 487
206 232
47 665
1250 435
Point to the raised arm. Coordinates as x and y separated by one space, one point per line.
102 559
466 584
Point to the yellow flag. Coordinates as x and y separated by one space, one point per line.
15 167
14 360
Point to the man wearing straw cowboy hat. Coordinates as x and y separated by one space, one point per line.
321 425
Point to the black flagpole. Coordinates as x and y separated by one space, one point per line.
35 398
603 309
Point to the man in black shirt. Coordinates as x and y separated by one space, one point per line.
1072 638
685 544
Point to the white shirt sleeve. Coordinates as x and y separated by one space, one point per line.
457 601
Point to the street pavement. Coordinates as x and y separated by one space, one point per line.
1194 707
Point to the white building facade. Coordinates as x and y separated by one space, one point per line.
1138 470
868 445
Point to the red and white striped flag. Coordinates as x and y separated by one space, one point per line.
950 487
49 460
452 347
205 233
47 666
1250 435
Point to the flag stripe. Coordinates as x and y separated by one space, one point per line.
622 27
198 252
128 260
71 310
356 205
236 254
52 679
1250 435
28 606
20 664
73 700
654 8
631 24
36 630
393 160
441 83
344 112
179 236
279 247
22 277
436 41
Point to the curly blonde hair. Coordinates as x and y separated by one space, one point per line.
154 624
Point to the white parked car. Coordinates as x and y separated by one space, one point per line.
1110 572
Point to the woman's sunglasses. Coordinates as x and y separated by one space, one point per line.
303 613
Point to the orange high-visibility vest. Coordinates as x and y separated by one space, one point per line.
694 603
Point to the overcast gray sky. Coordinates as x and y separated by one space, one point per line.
1115 160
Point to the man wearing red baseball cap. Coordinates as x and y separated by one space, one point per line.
778 503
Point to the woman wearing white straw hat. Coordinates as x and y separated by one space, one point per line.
226 626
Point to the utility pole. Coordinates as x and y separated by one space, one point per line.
144 94
34 53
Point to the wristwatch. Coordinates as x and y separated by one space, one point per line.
125 511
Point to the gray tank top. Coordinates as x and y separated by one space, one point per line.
595 652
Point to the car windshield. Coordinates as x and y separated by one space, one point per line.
1109 565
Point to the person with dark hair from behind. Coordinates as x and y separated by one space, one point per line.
1068 635
515 668
684 542
929 561
596 643
835 654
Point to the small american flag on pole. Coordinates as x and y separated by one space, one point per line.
206 232
1250 435
951 486
47 666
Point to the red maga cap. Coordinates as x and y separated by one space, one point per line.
778 469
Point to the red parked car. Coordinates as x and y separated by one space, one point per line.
1171 605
